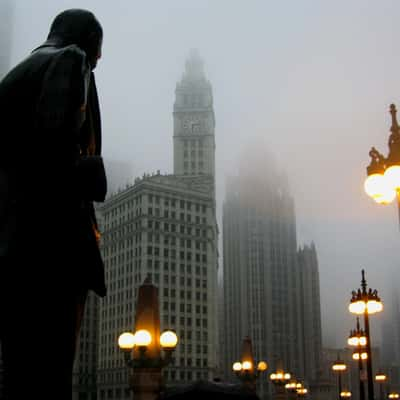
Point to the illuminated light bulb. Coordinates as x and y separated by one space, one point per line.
126 341
357 307
262 366
392 175
168 340
142 338
247 365
237 366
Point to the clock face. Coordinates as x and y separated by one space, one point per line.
191 124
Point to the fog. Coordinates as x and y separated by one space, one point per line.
311 81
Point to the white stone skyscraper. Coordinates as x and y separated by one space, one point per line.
164 226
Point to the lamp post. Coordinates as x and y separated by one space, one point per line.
142 349
345 394
393 396
338 367
302 392
294 387
358 339
383 174
245 369
381 379
280 378
366 302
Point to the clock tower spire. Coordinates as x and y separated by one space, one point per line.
194 122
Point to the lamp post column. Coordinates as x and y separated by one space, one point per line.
146 383
368 345
369 358
339 385
360 369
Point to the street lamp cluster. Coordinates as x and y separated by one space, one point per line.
141 340
364 302
142 349
383 173
339 367
248 371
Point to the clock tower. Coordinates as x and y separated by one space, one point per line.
194 122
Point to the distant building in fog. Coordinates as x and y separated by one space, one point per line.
265 279
391 338
311 311
120 174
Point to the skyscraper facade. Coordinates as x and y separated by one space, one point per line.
164 227
263 286
391 338
310 312
84 379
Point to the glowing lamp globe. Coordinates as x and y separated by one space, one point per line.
353 341
386 198
392 176
374 185
247 365
168 340
362 340
237 366
374 306
142 338
380 377
126 341
357 307
262 366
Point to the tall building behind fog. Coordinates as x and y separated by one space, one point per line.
391 338
310 309
6 24
270 289
164 226
120 174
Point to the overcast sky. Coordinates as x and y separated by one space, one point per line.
310 80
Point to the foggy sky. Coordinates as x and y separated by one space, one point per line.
311 81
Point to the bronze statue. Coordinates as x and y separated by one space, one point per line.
50 160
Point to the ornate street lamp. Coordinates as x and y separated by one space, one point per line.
302 392
345 394
280 378
383 174
142 349
381 379
294 386
393 396
358 339
339 367
245 369
366 302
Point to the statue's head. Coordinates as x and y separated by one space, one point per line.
80 27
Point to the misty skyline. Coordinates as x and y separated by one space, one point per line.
311 82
